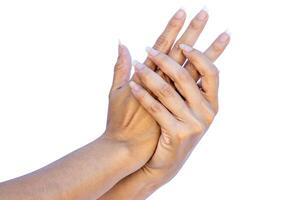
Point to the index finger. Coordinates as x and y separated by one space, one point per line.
167 38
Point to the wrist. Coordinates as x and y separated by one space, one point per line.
119 150
125 149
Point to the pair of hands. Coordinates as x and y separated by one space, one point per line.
155 119
165 108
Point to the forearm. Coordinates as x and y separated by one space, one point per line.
86 173
137 186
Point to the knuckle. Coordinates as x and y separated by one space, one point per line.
176 46
154 107
217 48
210 116
166 90
118 66
198 128
181 137
162 42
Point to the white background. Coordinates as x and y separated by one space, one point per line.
56 63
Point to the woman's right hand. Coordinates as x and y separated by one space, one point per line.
184 117
124 111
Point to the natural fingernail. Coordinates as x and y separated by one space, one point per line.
224 37
185 47
134 86
179 14
228 32
137 65
202 15
120 46
205 8
152 51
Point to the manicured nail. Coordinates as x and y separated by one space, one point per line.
120 46
185 47
152 51
137 65
179 14
202 15
228 32
205 9
134 86
224 37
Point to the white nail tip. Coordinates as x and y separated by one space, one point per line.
135 62
205 8
186 47
228 32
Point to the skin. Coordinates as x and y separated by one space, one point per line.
199 99
135 128
131 137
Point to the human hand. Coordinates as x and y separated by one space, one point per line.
127 122
184 120
139 184
143 138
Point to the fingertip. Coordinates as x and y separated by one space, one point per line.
134 86
180 14
202 15
186 48
151 51
205 8
124 55
120 46
123 49
228 32
137 66
224 37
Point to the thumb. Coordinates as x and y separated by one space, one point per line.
122 68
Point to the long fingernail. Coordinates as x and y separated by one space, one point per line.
137 65
134 86
185 47
202 15
205 9
119 46
152 51
179 14
224 37
228 32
